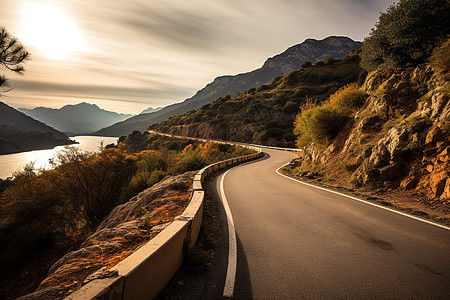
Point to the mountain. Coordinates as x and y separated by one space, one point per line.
15 119
151 109
19 132
77 119
265 115
310 50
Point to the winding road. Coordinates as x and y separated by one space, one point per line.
295 241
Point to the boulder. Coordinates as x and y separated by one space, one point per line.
396 139
444 156
434 135
409 182
438 102
438 182
369 123
392 171
446 193
389 147
365 175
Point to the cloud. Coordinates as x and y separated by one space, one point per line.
102 91
176 27
163 51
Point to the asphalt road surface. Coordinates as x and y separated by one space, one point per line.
298 242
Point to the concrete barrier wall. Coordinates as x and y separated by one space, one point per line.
145 273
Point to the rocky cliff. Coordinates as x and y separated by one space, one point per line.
399 140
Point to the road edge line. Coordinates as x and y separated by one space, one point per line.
360 200
230 278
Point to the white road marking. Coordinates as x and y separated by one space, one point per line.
360 200
228 290
230 279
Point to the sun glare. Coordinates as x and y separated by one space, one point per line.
49 29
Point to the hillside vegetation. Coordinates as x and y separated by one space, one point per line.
398 137
391 133
283 63
265 115
17 140
47 212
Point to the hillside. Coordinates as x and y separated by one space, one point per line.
76 119
265 115
14 140
290 60
15 119
395 147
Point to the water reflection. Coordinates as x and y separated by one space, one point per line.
10 163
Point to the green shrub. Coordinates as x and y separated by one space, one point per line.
350 96
306 64
441 57
329 60
320 124
191 160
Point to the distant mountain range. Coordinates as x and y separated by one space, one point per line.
10 117
82 118
19 132
151 109
310 50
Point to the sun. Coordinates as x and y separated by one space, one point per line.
49 29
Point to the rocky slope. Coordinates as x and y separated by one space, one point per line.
265 115
81 118
398 141
126 228
290 60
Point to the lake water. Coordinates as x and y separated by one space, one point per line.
10 163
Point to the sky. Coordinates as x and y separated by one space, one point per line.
126 56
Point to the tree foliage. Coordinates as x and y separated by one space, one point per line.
406 33
12 55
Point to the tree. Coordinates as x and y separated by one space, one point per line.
12 55
406 33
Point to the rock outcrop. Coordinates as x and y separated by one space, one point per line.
400 138
126 228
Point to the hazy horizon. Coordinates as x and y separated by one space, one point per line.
125 57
